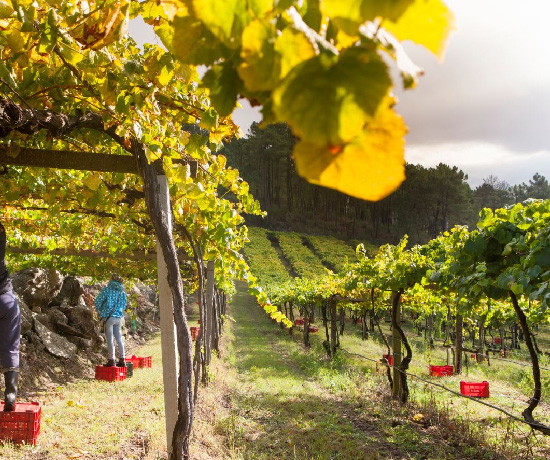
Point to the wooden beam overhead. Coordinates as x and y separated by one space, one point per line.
68 159
136 255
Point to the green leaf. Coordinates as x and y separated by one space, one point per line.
5 10
329 100
516 288
542 257
476 245
209 119
184 30
224 84
226 19
294 47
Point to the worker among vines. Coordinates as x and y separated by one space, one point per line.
110 305
10 329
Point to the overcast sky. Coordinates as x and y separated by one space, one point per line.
486 107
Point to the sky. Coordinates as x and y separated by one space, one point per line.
486 107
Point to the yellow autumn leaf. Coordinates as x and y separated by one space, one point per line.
426 22
261 65
370 167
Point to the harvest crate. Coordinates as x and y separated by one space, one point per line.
441 371
497 340
389 358
299 322
134 360
110 373
194 332
313 329
359 321
476 389
21 425
145 361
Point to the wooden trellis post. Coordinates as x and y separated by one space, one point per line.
167 327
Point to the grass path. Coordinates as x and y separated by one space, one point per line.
286 403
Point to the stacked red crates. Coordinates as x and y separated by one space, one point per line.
441 371
21 425
475 389
194 332
145 361
110 373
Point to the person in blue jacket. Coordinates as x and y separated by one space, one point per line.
110 305
10 329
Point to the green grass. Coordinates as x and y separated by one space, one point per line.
101 420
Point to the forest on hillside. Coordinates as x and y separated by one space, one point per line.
431 200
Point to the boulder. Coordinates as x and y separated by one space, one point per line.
71 291
26 317
55 316
82 319
54 343
37 286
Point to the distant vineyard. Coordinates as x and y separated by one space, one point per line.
304 262
333 252
263 259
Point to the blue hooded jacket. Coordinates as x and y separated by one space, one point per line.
112 297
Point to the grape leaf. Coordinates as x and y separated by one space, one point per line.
328 100
370 167
426 22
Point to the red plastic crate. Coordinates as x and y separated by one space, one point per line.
299 322
134 360
313 329
145 361
389 358
194 332
110 373
359 320
476 389
441 371
21 425
497 340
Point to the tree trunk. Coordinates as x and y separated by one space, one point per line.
333 329
537 392
481 346
458 345
396 346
